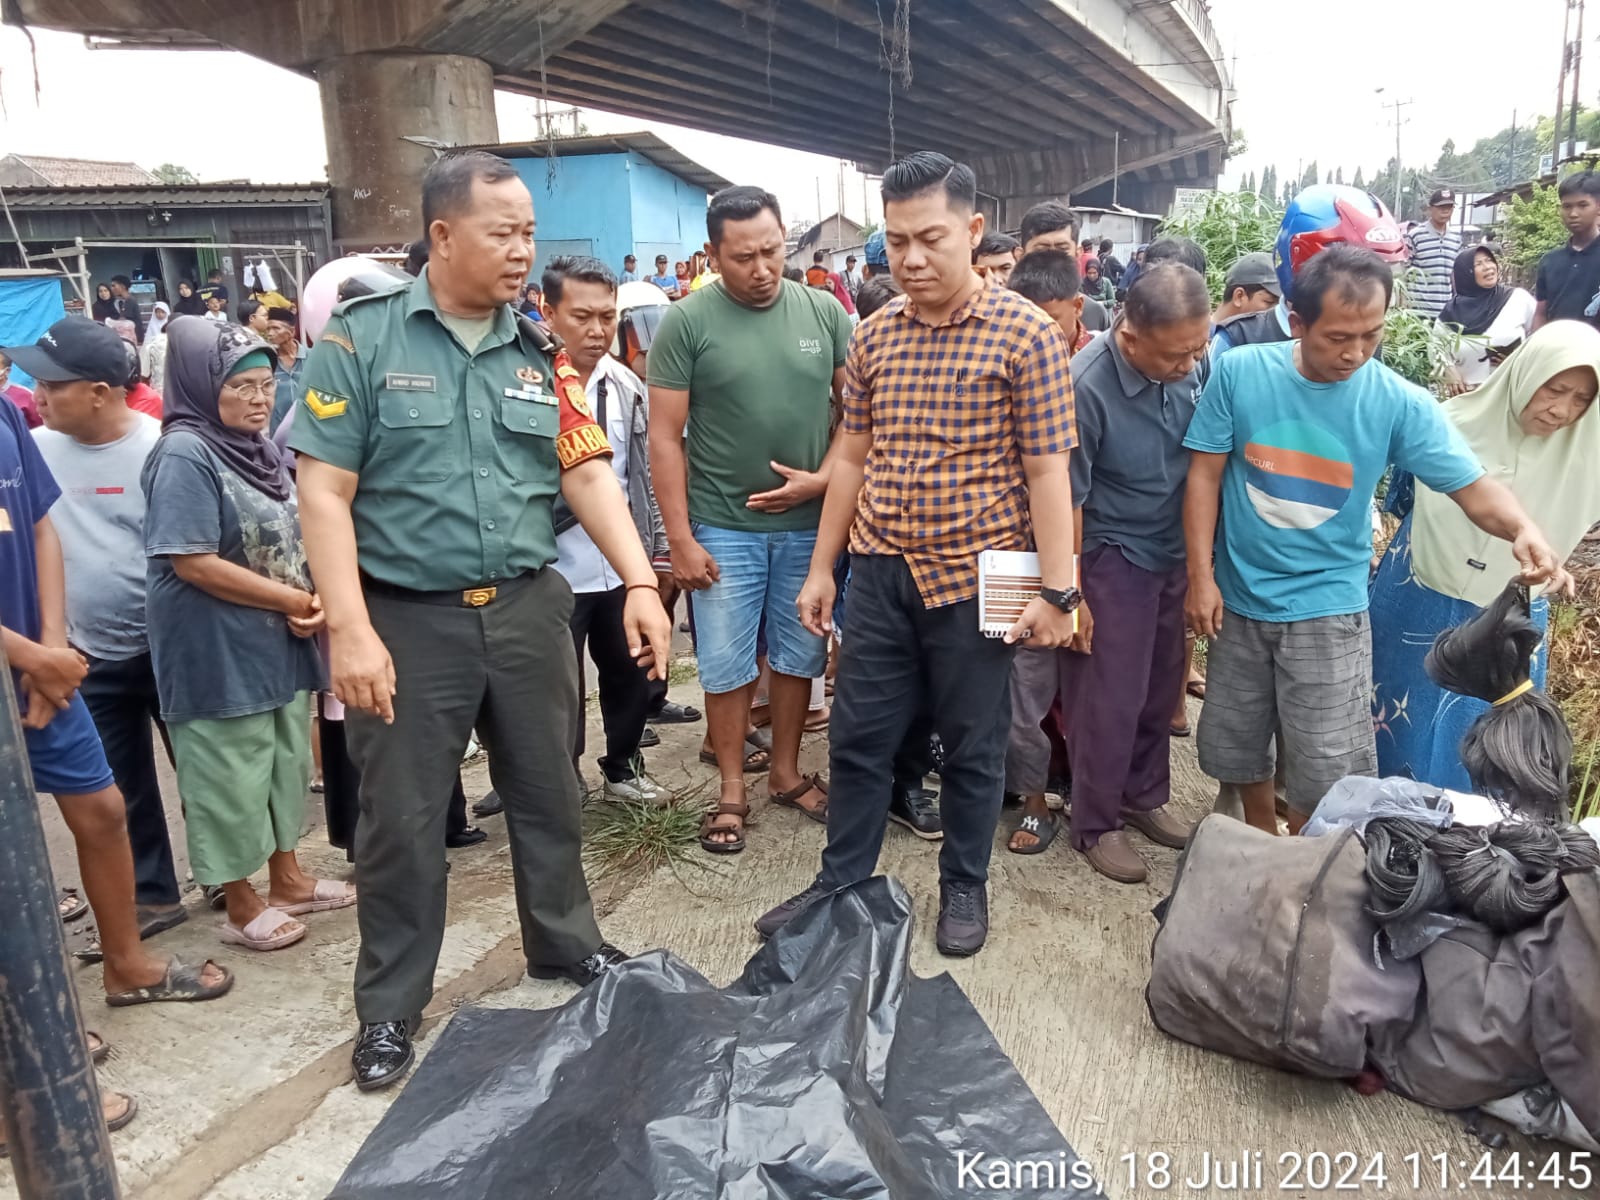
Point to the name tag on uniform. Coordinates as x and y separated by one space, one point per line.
397 381
529 393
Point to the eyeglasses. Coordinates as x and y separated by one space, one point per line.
251 392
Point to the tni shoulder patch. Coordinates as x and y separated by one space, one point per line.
322 407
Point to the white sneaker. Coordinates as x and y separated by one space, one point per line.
637 789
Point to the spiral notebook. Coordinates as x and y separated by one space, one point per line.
1007 581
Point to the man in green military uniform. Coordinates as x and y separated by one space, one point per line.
437 429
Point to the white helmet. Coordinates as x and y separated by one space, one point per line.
639 308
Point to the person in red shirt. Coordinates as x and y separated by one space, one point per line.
20 396
141 396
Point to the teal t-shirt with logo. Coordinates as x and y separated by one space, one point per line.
760 384
1304 460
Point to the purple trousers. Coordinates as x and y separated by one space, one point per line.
1119 699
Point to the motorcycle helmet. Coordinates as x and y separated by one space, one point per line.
1328 213
340 280
640 307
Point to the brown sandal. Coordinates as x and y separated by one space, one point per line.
709 826
791 798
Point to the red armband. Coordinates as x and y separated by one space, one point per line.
580 438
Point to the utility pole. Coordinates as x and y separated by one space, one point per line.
1116 164
1511 154
1577 65
1561 86
1399 175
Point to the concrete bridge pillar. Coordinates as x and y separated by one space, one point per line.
370 104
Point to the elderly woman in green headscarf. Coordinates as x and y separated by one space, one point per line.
1531 427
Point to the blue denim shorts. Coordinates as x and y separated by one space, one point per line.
66 755
760 576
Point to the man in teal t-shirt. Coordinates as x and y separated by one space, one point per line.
1289 442
750 363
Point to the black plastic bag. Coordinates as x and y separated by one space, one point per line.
826 1070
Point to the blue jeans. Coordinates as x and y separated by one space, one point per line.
760 575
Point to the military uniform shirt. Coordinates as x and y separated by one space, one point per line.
459 454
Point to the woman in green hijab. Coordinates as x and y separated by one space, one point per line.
1531 427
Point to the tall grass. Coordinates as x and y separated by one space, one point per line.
1574 683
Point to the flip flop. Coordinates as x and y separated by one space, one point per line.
1180 731
1044 834
1196 688
708 826
97 1053
328 895
112 1123
271 930
183 983
71 906
760 737
791 798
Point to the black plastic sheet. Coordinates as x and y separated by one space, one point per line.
826 1070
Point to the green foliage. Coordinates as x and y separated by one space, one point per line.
625 837
1531 229
172 174
1228 226
1417 348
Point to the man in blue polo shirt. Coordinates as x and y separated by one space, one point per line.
75 361
1290 441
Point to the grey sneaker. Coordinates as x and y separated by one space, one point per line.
963 919
638 788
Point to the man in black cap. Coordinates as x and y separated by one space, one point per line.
1433 247
79 364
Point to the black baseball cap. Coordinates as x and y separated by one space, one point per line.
1441 196
74 348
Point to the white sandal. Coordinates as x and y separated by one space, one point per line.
272 929
329 894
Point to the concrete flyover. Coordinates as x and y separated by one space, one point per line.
1044 97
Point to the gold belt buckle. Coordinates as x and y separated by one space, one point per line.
478 597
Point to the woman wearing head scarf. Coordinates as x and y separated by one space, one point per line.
1095 284
231 618
189 303
105 304
153 354
1531 427
1492 317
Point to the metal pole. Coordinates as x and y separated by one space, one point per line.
1116 163
55 1129
1511 156
1577 69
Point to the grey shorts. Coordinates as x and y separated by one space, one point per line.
1310 679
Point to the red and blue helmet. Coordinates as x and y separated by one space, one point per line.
1325 214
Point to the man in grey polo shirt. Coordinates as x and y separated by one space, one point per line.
1136 391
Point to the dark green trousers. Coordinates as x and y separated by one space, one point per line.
508 670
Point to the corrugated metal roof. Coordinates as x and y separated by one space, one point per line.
645 144
193 195
84 172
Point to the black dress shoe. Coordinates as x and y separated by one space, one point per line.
649 738
918 810
673 713
470 836
586 970
963 919
774 919
383 1053
489 806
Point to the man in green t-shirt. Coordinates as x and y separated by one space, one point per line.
749 363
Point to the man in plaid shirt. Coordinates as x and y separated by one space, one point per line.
958 421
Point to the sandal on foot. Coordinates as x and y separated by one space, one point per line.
759 737
1044 833
185 982
328 895
1196 688
99 1048
818 720
791 798
1181 731
216 897
709 825
756 759
71 906
271 930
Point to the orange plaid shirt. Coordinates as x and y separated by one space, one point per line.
951 410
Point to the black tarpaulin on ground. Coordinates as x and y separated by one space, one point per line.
826 1070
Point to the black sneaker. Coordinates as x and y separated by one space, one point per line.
963 919
383 1053
917 809
774 919
649 738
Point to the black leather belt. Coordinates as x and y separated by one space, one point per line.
478 596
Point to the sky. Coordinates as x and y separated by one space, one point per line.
1306 86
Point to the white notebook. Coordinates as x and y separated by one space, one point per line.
1007 581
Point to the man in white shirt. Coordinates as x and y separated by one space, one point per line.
580 305
96 446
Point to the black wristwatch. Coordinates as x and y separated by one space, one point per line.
1067 600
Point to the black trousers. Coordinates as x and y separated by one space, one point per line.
900 657
121 695
341 790
624 688
507 670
